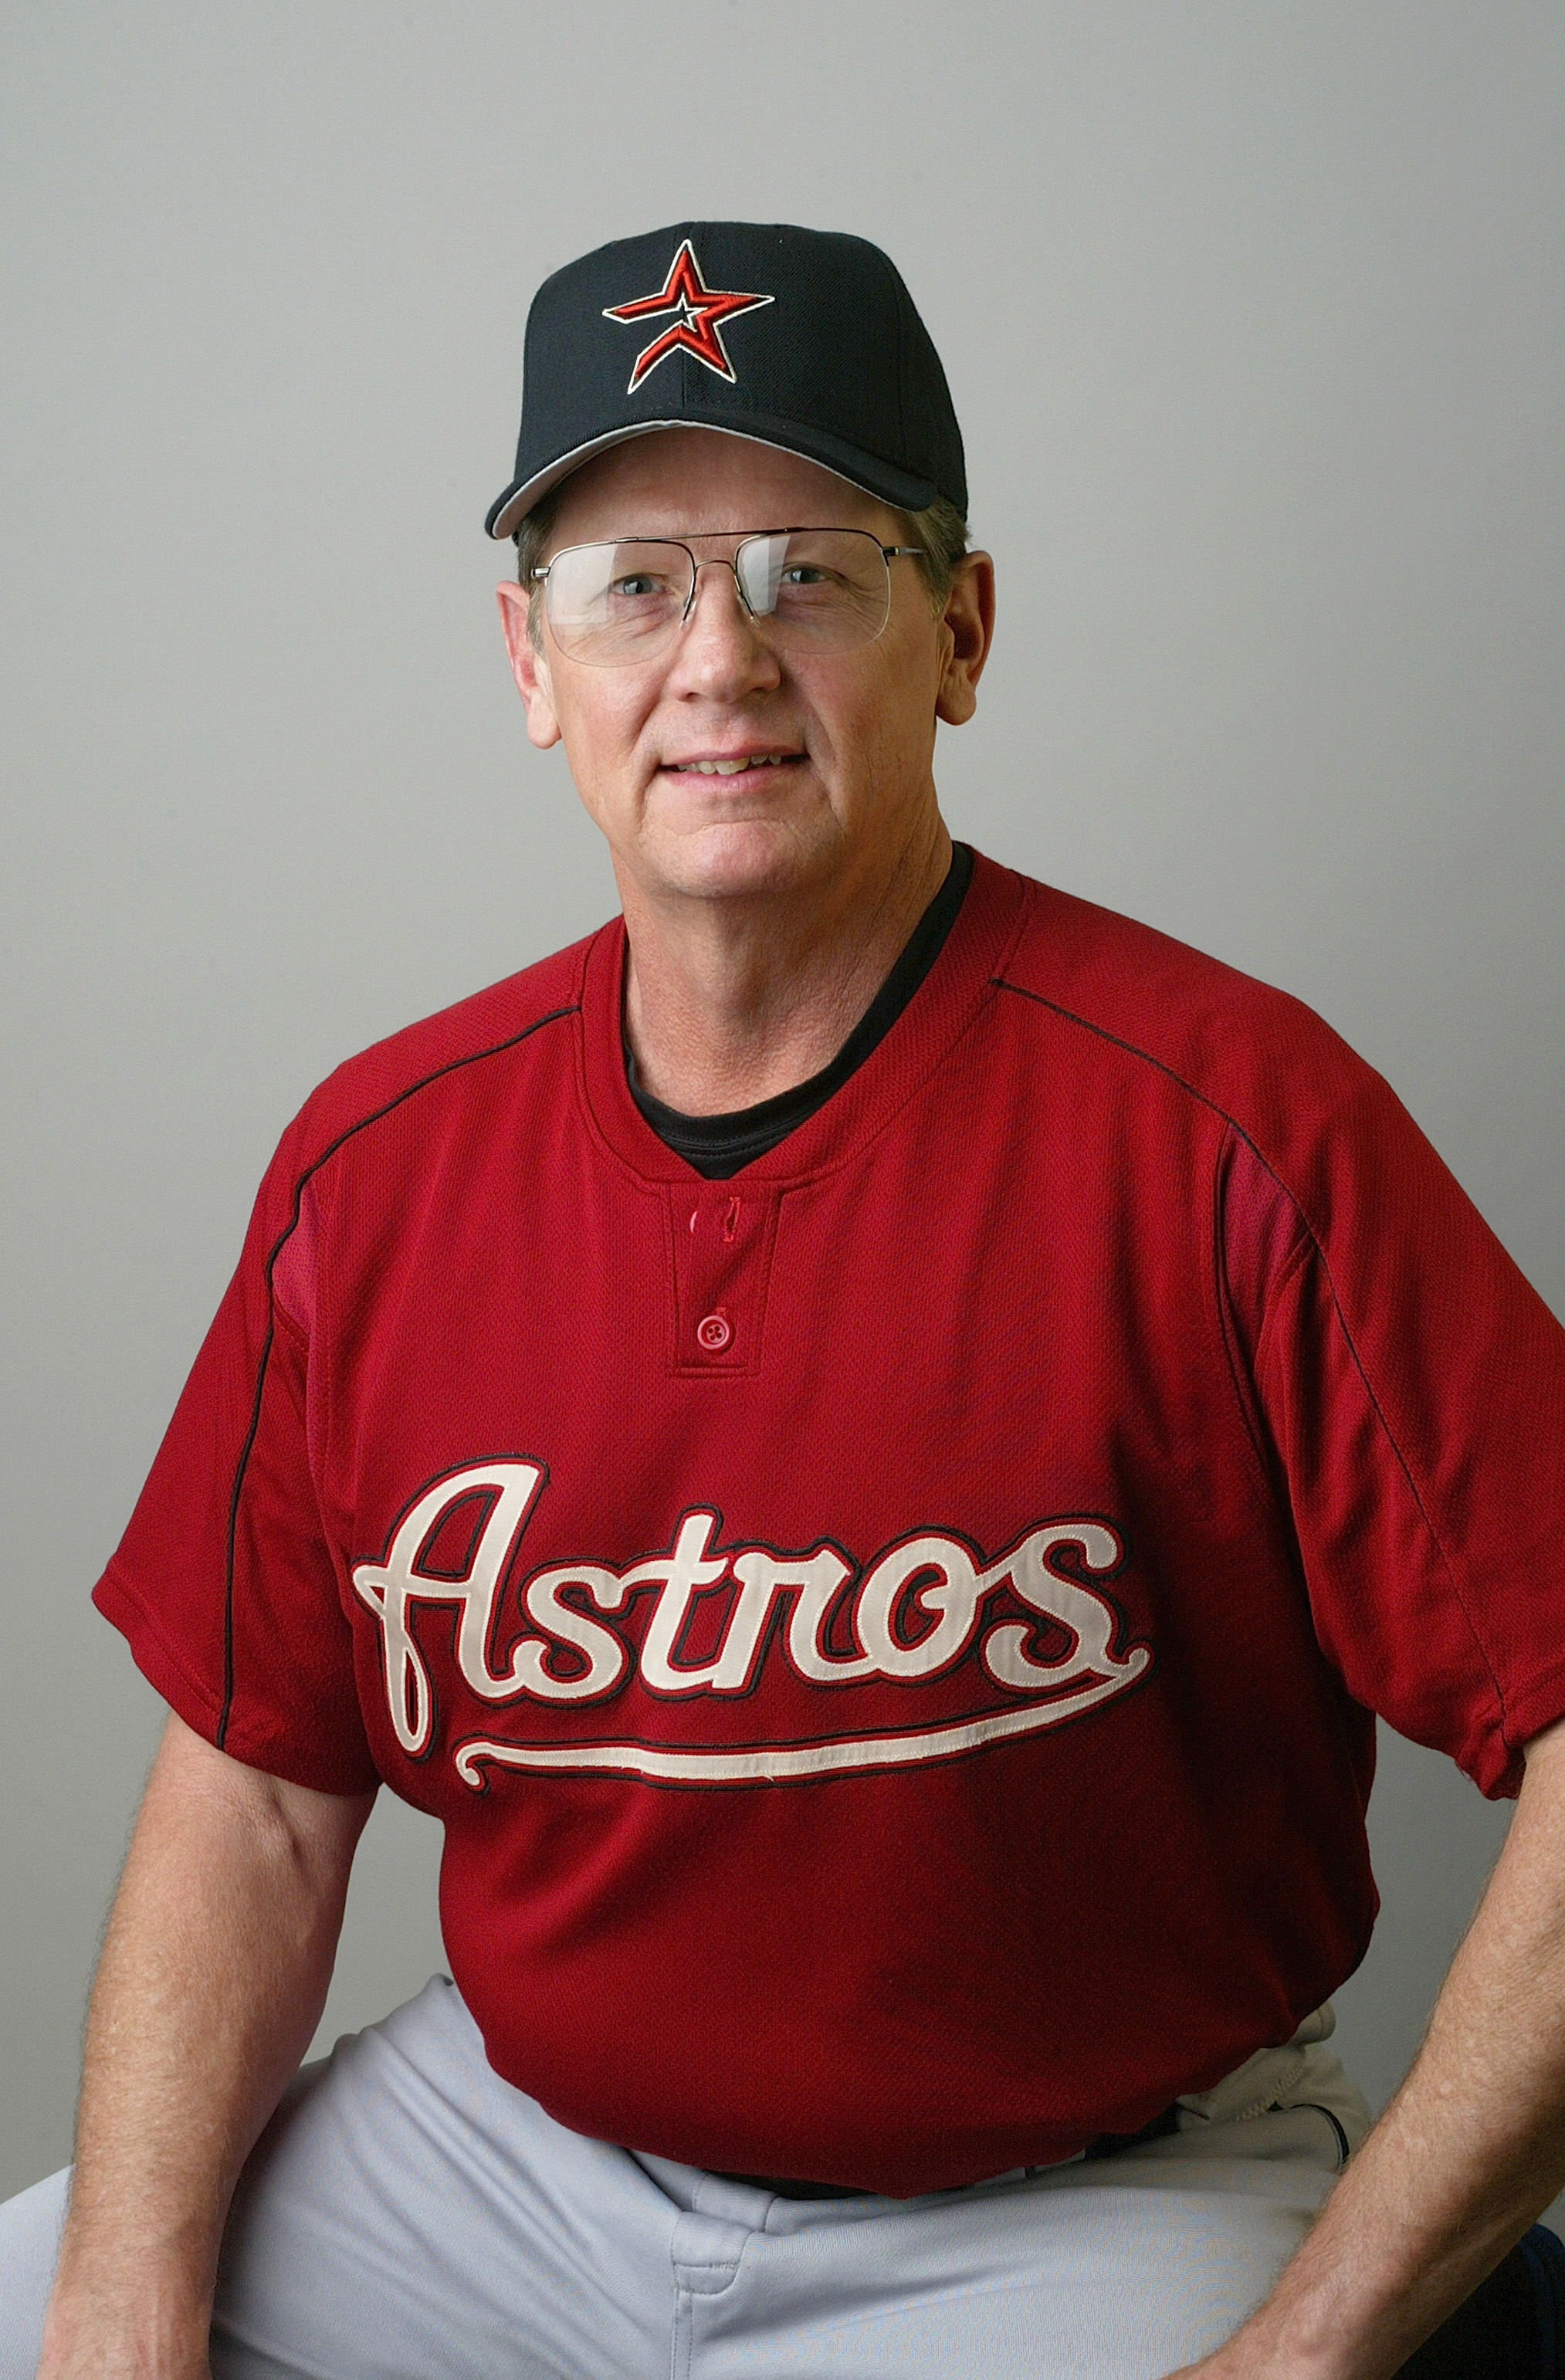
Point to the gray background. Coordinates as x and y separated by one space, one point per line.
1253 318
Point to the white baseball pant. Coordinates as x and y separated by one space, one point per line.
408 2215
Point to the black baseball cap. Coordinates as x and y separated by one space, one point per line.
805 340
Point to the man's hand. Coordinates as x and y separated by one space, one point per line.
213 1978
1469 2151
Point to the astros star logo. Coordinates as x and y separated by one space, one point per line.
701 311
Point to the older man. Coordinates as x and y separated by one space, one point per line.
868 1439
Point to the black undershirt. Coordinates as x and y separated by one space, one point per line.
717 1146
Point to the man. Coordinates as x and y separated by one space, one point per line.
868 1439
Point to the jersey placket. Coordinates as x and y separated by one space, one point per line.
722 1237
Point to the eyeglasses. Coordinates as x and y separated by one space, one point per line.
821 590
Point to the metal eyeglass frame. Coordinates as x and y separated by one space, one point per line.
730 561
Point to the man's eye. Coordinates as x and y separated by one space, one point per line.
804 573
638 582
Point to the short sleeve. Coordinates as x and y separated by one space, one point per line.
223 1584
1411 1386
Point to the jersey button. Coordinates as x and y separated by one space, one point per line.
714 1331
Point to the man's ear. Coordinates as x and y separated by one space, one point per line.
529 666
968 623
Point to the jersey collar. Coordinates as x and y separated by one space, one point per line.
946 1003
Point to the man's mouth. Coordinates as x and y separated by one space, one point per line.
736 768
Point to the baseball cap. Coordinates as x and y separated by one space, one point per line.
805 340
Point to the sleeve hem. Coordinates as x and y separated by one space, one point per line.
191 1700
1496 1766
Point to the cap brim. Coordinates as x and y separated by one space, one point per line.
868 472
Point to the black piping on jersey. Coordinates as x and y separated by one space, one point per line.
453 1066
1041 1000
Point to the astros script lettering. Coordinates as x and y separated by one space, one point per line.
913 1614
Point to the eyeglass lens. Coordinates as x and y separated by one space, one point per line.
825 591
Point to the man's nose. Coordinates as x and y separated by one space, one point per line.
721 648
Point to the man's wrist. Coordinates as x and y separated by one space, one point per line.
1269 2347
133 2316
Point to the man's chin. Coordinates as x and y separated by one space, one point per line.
741 858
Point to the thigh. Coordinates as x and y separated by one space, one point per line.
29 2243
408 2215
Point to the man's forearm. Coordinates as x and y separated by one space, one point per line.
213 1977
1469 2151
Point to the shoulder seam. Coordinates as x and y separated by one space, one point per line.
469 1057
1117 1041
1071 1017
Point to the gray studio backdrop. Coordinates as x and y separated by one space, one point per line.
1253 317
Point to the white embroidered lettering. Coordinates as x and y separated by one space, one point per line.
681 1574
604 1652
390 1587
916 1613
1084 1615
815 1580
889 1601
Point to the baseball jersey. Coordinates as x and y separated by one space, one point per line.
891 1636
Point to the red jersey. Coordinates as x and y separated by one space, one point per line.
891 1636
